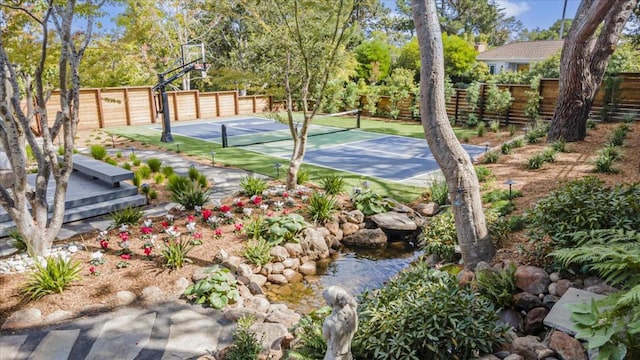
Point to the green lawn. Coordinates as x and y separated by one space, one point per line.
264 164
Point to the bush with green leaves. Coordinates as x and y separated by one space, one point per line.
591 124
604 164
98 152
54 276
491 157
126 216
255 228
311 344
154 164
245 344
506 148
303 176
258 251
425 314
136 162
144 172
186 192
175 252
252 185
332 184
126 166
137 180
612 152
284 228
610 325
167 171
500 195
619 135
535 161
217 290
584 204
158 178
484 174
439 192
193 174
494 125
369 202
498 285
517 143
549 155
111 161
17 240
480 129
439 236
559 146
512 129
321 206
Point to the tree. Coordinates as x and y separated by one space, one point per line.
459 55
374 58
471 227
552 33
586 51
23 100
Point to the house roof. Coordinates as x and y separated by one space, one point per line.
522 50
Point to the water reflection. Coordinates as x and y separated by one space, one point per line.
356 270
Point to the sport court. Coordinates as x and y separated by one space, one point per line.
398 158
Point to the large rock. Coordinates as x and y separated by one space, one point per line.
277 279
534 320
566 346
511 317
308 268
428 209
349 228
355 217
532 279
268 333
279 253
287 317
22 318
530 348
526 301
294 249
366 238
394 221
313 245
562 286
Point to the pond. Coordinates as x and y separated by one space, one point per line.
355 270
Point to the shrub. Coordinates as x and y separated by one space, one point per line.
311 343
303 176
517 143
559 146
535 161
193 173
217 290
424 314
144 172
258 252
512 130
111 161
282 229
98 152
472 120
591 124
154 164
440 192
506 148
332 184
126 216
192 196
603 164
136 162
17 240
498 286
175 252
480 129
490 157
613 152
619 135
584 204
159 178
500 195
126 165
137 180
253 185
203 181
321 206
53 277
439 236
484 173
245 344
494 126
255 228
177 183
370 202
119 154
549 155
532 137
167 171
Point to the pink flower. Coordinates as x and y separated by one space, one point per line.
125 256
225 208
124 236
256 200
218 232
146 230
190 218
286 211
238 227
104 244
197 235
206 214
147 251
92 269
270 214
285 194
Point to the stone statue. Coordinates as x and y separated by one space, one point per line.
340 326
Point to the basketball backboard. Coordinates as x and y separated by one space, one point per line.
193 53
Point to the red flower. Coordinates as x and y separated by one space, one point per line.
124 236
239 203
125 256
238 227
225 208
190 218
218 232
257 200
285 194
270 214
206 214
146 230
197 235
165 224
104 244
147 251
92 269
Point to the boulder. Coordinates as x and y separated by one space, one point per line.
398 207
269 333
291 263
349 228
277 268
277 279
428 209
394 221
258 304
287 317
511 317
533 321
292 276
562 286
308 268
566 346
549 301
530 348
279 253
526 301
22 318
294 249
355 217
333 226
313 245
260 280
232 263
513 357
532 279
465 277
255 289
366 238
244 270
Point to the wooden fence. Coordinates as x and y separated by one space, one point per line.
100 108
626 103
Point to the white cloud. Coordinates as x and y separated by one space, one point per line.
512 8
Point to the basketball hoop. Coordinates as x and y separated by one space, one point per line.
202 68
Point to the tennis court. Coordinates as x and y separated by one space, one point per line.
390 157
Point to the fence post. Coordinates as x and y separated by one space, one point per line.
455 117
224 135
506 120
481 105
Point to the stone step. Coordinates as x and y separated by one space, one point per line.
56 345
193 334
10 346
123 337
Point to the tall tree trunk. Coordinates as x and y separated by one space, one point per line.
473 235
584 59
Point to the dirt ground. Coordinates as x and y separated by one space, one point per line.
100 284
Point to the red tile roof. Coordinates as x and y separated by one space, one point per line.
523 50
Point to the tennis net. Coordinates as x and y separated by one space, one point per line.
267 131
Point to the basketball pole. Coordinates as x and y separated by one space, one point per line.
166 121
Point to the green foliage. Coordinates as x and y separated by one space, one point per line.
193 173
535 161
517 143
98 152
584 204
126 165
282 229
559 146
370 202
252 185
500 195
512 130
498 101
144 172
258 252
303 176
532 108
17 240
137 180
439 236
480 129
217 290
604 164
549 155
424 314
458 53
53 277
611 325
154 164
255 228
472 120
111 161
126 216
612 152
203 181
473 95
175 252
186 192
374 58
321 206
158 178
484 173
619 135
591 124
245 344
440 192
167 171
611 96
311 344
506 148
491 157
332 184
136 162
498 286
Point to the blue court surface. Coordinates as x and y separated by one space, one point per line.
390 157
